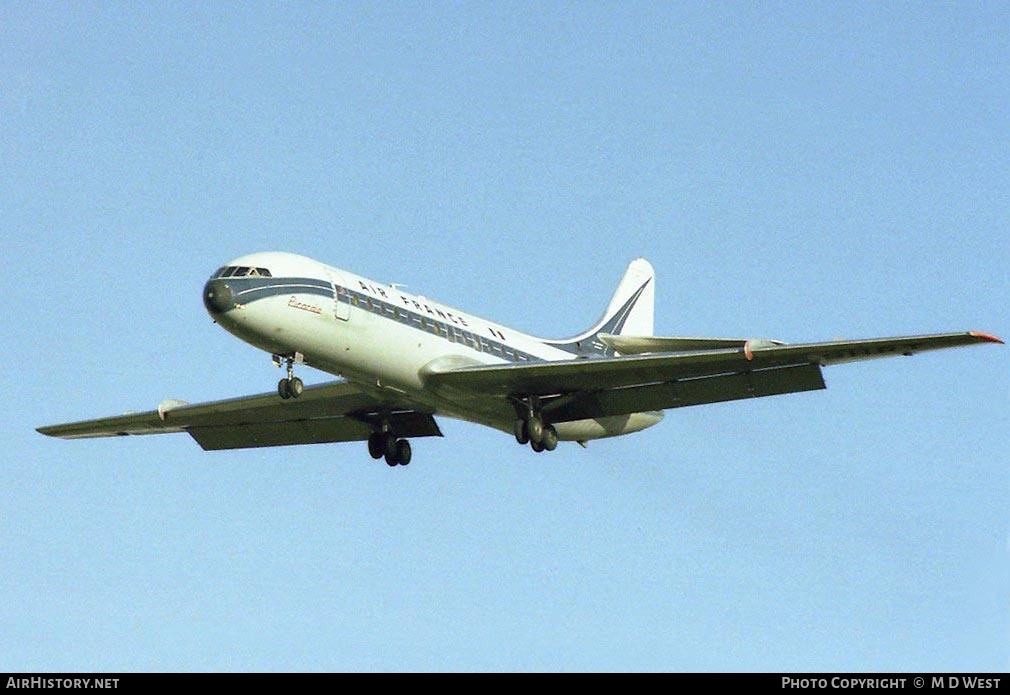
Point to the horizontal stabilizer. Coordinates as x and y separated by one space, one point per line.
642 344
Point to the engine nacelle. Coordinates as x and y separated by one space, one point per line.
611 426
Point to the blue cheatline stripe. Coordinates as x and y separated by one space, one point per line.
251 295
247 290
250 289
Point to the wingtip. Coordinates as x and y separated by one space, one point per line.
989 338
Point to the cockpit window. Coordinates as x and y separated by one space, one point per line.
240 271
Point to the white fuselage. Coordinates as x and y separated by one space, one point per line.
384 339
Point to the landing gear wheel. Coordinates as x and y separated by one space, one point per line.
290 386
536 446
397 452
535 429
522 435
389 449
550 438
376 445
403 452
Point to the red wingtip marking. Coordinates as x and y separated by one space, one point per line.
987 336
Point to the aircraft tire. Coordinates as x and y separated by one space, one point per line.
522 435
390 450
550 438
295 387
282 389
376 445
535 428
536 446
403 452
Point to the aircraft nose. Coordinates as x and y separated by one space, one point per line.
217 297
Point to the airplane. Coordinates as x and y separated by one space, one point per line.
403 359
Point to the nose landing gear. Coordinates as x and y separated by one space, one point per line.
291 386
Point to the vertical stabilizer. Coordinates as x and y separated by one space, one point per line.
633 305
630 312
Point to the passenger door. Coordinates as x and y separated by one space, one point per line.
341 298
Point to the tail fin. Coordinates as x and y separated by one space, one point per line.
631 309
630 312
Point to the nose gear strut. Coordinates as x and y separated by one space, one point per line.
291 386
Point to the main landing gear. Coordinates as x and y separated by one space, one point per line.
291 386
396 451
530 428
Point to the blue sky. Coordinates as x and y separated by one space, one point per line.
796 171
